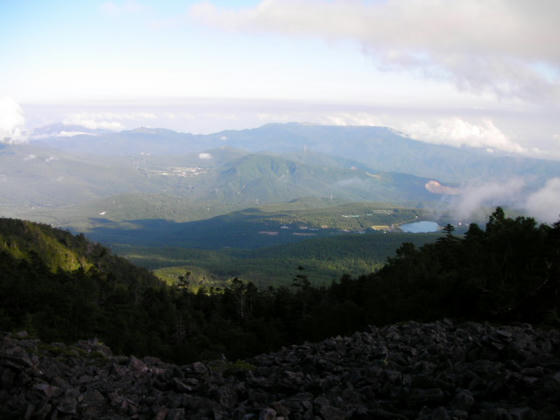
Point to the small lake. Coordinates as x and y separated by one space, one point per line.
423 226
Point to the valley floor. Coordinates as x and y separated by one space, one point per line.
438 370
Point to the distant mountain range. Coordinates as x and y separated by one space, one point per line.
378 148
195 176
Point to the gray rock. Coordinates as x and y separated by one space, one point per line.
440 413
47 390
430 396
180 386
463 400
176 414
407 370
199 368
267 414
138 365
69 402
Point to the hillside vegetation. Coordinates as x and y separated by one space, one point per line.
325 259
64 287
53 185
508 272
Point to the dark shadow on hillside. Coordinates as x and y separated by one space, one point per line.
244 230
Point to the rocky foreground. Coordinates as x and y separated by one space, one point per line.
438 370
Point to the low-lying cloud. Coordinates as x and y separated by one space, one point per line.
545 203
11 122
476 200
205 156
452 131
475 197
459 132
507 48
113 121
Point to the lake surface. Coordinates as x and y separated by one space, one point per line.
423 226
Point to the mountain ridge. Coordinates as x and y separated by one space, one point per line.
376 147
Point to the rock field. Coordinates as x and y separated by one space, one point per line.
440 370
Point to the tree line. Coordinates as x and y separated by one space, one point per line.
507 272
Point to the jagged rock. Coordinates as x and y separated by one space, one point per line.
423 396
463 400
69 402
138 365
440 413
438 370
93 398
227 396
267 414
47 391
161 413
199 368
176 414
180 386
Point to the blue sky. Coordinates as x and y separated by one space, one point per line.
483 73
62 51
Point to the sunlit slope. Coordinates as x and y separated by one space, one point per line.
59 251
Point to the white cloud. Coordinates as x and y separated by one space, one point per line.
476 196
74 133
205 156
545 203
62 133
454 131
508 48
11 122
352 118
459 132
108 120
92 123
29 157
436 187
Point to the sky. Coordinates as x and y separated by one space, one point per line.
483 73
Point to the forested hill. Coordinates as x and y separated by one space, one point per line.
61 251
508 272
64 287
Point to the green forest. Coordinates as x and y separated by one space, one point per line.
507 272
324 259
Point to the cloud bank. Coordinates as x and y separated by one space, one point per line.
107 120
452 131
204 156
545 203
475 197
11 122
505 47
458 132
